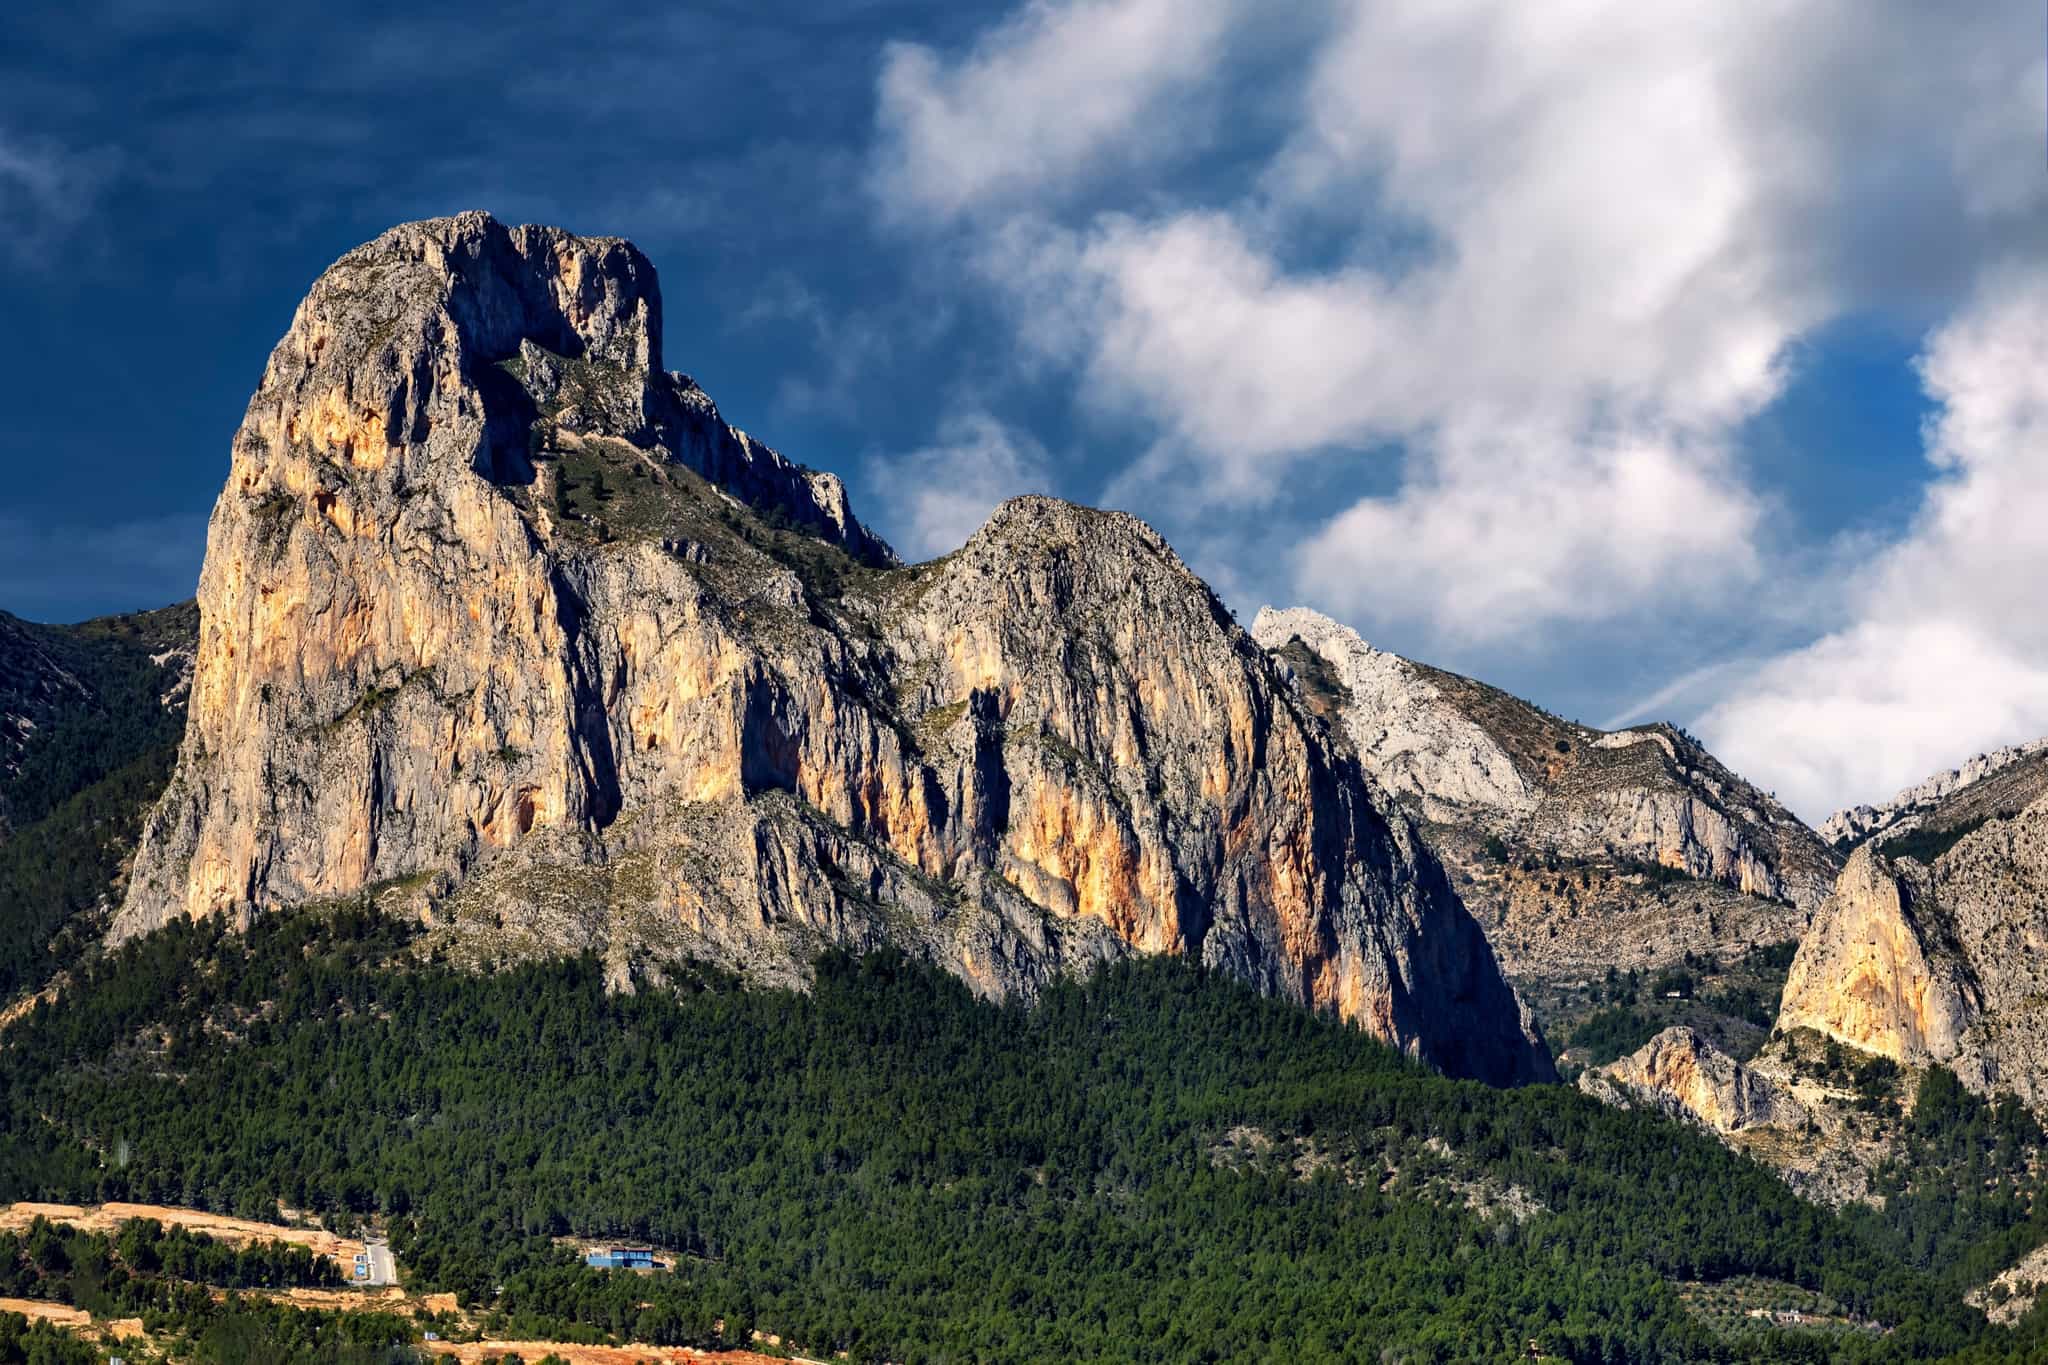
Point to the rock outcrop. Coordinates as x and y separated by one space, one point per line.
1683 1074
1578 849
1413 737
1823 1138
503 626
1943 963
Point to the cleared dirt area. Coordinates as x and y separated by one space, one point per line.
72 1319
233 1231
392 1300
62 1315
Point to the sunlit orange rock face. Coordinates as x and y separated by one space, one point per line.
494 605
1938 962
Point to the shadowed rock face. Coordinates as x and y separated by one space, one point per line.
503 626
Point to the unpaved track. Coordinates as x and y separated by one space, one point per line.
233 1231
468 1352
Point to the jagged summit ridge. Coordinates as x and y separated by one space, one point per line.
1910 807
401 358
503 627
1412 740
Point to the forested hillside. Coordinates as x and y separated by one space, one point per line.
1157 1164
77 703
90 718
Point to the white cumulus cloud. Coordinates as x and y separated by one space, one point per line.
1946 651
1506 289
1055 92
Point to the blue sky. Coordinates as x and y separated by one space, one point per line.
1688 363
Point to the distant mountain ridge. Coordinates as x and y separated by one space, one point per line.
2006 776
78 701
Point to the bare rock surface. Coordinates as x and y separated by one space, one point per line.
1683 1074
1938 964
2011 1294
1780 1107
504 627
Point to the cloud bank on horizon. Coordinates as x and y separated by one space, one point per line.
1542 268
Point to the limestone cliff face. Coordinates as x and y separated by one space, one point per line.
1880 969
503 626
1938 964
1591 821
1684 1075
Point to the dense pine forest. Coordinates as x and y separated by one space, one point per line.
1156 1164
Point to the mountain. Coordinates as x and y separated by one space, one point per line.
1939 961
513 655
2002 780
1582 852
1151 1164
503 627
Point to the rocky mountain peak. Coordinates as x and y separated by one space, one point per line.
1414 739
506 628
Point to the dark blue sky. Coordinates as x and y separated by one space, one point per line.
1579 352
196 166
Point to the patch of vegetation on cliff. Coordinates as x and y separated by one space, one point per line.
1963 1193
1320 682
889 1167
1734 1003
1925 845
